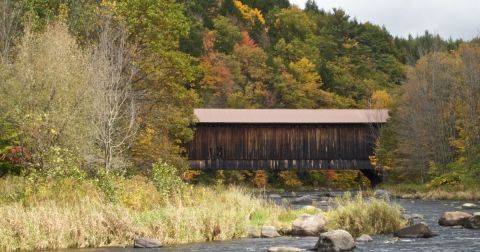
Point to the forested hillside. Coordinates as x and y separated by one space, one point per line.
113 84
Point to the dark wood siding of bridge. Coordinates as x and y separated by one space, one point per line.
281 146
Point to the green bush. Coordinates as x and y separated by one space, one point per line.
166 179
449 179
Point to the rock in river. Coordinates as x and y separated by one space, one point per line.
269 232
473 222
364 238
381 194
284 249
470 206
453 218
146 243
309 225
419 230
335 240
306 199
252 232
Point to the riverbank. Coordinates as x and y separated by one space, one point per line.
423 191
69 213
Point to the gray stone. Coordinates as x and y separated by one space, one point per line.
309 225
284 249
457 227
146 243
413 218
364 238
470 206
269 232
453 218
473 222
306 199
335 240
252 232
381 194
274 196
416 231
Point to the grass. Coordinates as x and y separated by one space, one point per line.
365 216
41 215
422 191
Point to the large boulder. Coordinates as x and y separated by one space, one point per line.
285 249
472 222
419 230
146 243
335 240
252 232
269 232
453 218
309 225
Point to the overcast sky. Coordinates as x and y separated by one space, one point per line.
449 18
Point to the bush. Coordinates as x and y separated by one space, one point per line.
449 179
166 179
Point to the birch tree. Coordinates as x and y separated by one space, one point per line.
114 107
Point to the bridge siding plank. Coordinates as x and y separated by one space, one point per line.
265 146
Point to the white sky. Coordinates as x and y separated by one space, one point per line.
449 18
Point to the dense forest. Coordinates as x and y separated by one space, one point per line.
98 87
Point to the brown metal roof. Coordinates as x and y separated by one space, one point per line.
300 116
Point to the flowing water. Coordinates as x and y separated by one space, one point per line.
448 239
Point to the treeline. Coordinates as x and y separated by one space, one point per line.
434 133
112 84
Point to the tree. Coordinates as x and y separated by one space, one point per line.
226 35
165 80
427 115
44 96
114 101
9 27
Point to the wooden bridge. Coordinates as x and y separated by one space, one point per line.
280 139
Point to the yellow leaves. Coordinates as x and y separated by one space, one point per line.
290 178
250 15
381 99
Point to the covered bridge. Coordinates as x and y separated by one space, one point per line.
280 139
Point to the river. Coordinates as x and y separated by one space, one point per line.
448 239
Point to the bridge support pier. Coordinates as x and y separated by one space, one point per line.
374 176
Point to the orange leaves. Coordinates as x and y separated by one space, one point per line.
260 179
247 40
189 175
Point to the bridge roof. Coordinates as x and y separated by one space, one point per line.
292 116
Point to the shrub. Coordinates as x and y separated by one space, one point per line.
449 179
366 216
166 179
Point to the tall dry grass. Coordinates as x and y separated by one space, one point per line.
68 213
360 215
